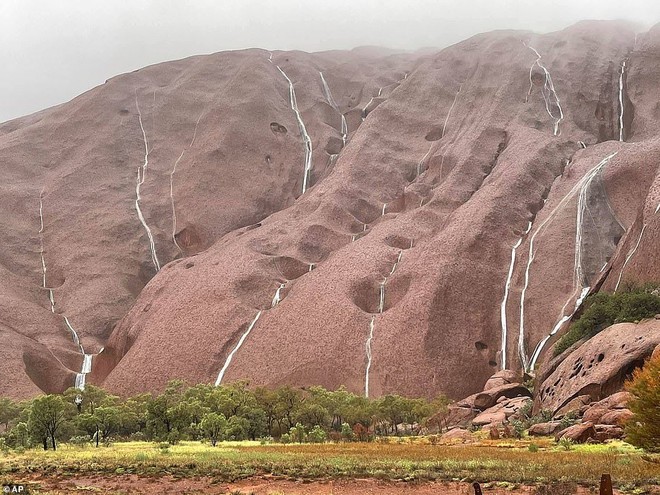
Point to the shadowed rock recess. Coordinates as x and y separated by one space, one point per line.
458 206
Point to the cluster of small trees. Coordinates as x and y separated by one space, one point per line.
228 412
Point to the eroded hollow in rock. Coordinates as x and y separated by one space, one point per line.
277 128
434 134
398 241
290 268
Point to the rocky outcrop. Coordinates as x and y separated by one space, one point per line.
545 429
501 378
608 432
612 404
459 416
579 433
457 435
403 237
600 366
501 412
575 407
488 398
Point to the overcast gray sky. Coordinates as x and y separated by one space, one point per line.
53 50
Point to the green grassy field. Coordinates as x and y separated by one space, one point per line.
506 461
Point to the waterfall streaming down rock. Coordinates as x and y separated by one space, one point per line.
278 295
372 322
85 370
141 175
552 103
507 287
307 141
87 363
80 381
622 74
368 351
582 269
236 348
331 101
629 257
381 297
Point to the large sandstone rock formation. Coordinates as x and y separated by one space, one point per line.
599 367
457 205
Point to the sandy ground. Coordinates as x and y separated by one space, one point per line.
131 484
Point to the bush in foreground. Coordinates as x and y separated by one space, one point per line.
644 429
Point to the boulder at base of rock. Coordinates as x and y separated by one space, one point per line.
457 435
458 416
488 398
600 366
502 377
579 433
598 409
608 432
544 429
575 406
656 351
490 417
618 417
500 412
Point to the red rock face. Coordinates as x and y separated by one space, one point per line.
388 274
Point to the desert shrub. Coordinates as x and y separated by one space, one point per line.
317 435
566 443
79 441
335 436
604 309
297 433
569 419
285 438
533 447
525 411
173 437
644 429
138 436
519 428
543 416
347 432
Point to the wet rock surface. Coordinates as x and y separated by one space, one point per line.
447 150
600 366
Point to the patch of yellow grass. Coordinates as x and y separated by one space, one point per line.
502 460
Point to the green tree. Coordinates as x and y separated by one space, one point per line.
395 409
9 410
311 414
267 401
89 399
47 415
644 428
288 402
234 399
237 428
214 426
162 410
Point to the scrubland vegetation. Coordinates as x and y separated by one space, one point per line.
603 309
